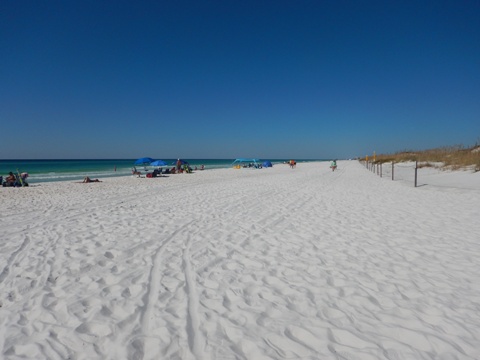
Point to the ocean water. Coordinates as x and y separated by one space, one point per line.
74 170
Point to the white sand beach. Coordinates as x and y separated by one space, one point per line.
275 263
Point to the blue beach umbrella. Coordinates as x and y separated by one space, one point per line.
267 164
158 163
143 161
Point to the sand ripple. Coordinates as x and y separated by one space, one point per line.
227 264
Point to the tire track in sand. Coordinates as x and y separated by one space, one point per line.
12 257
193 321
147 347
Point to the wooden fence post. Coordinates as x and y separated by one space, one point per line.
416 167
380 169
392 171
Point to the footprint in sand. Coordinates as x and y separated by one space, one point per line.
285 347
126 293
91 331
304 337
344 337
331 313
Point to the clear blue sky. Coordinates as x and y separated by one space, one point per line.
227 79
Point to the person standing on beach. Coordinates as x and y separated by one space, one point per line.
179 165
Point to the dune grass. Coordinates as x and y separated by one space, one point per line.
451 157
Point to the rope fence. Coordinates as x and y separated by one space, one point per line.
425 173
395 171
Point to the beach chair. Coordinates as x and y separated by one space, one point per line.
21 180
136 172
24 177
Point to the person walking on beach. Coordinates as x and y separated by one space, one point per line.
179 165
333 165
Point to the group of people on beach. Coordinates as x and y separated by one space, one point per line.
14 180
181 167
18 180
184 167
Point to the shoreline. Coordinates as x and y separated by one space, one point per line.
64 170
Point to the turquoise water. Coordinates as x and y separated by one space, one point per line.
74 170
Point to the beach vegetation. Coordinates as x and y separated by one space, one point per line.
449 157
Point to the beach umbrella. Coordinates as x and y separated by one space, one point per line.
158 163
267 164
143 161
